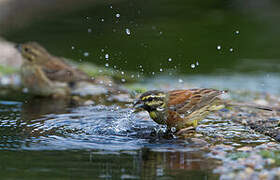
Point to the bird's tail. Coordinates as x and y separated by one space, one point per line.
254 106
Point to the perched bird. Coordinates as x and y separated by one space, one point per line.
47 75
183 109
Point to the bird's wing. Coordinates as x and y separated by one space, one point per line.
58 70
187 101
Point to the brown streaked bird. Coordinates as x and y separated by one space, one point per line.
47 75
183 109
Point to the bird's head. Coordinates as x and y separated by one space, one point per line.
32 52
151 101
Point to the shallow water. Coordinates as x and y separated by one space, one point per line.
91 142
58 140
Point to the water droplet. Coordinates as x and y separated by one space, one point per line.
102 20
115 66
160 33
132 76
140 66
173 129
153 73
197 63
102 50
72 47
111 7
122 73
106 56
86 54
237 32
25 90
127 31
107 65
160 69
89 30
192 66
118 15
219 47
180 80
123 80
169 59
231 49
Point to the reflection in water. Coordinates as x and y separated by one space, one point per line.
141 164
35 108
149 164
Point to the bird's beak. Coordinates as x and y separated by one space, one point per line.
138 105
18 47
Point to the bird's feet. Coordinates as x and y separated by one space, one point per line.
186 131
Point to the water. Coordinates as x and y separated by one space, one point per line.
43 138
90 141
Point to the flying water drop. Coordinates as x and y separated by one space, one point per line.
86 54
127 31
173 129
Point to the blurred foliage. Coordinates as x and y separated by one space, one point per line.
185 31
8 70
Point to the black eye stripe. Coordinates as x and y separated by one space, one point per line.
154 99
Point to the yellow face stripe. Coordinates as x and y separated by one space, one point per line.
153 96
